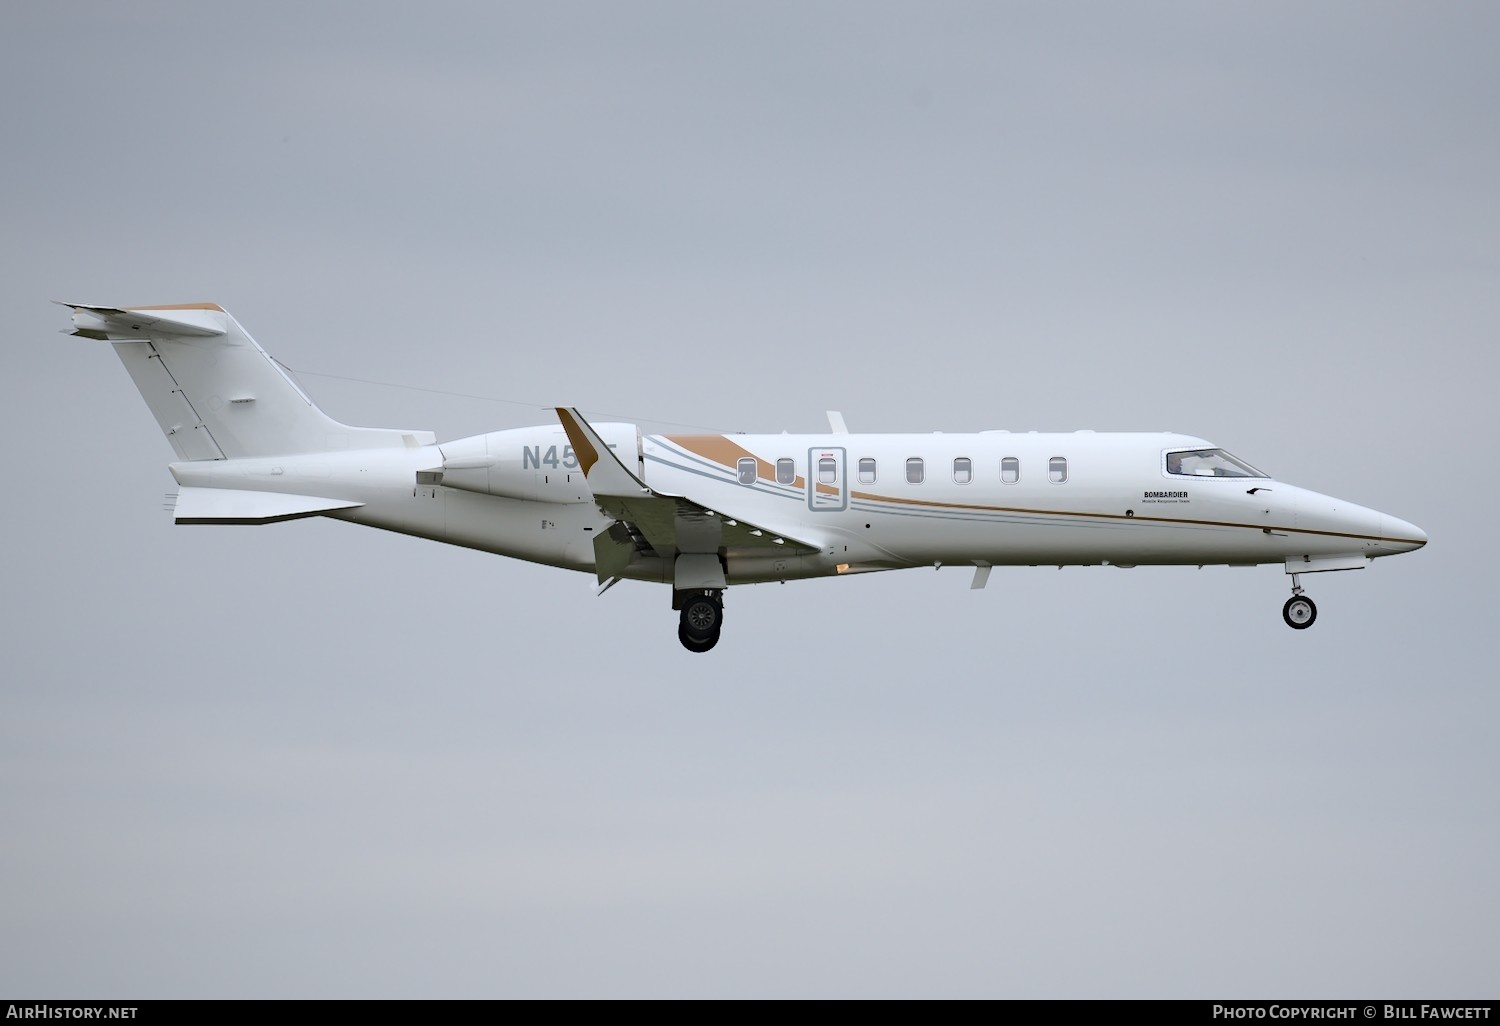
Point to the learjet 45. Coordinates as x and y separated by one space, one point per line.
702 512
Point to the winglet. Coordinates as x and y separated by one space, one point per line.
602 469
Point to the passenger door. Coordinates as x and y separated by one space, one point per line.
827 481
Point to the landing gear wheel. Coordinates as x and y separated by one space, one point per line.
702 616
693 644
1299 612
702 619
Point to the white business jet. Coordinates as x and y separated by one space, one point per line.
702 512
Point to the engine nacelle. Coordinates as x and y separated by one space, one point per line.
535 463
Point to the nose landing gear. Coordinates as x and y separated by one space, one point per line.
701 620
1299 611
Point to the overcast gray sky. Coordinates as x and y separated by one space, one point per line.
313 760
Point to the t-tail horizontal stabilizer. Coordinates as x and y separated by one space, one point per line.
194 320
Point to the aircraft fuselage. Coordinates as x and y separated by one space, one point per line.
870 501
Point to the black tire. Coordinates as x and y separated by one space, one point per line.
702 616
693 644
1299 612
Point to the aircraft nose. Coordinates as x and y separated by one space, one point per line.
1401 533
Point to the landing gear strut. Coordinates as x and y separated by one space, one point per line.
702 619
1299 611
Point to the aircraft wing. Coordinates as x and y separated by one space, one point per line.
667 524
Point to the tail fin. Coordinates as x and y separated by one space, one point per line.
215 392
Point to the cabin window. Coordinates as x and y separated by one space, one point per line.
963 470
914 471
1057 470
867 471
786 471
828 470
747 470
1010 470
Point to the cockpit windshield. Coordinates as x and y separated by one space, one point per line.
1209 463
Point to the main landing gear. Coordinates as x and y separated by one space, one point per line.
702 618
1299 611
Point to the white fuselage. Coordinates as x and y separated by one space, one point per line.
703 512
869 501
